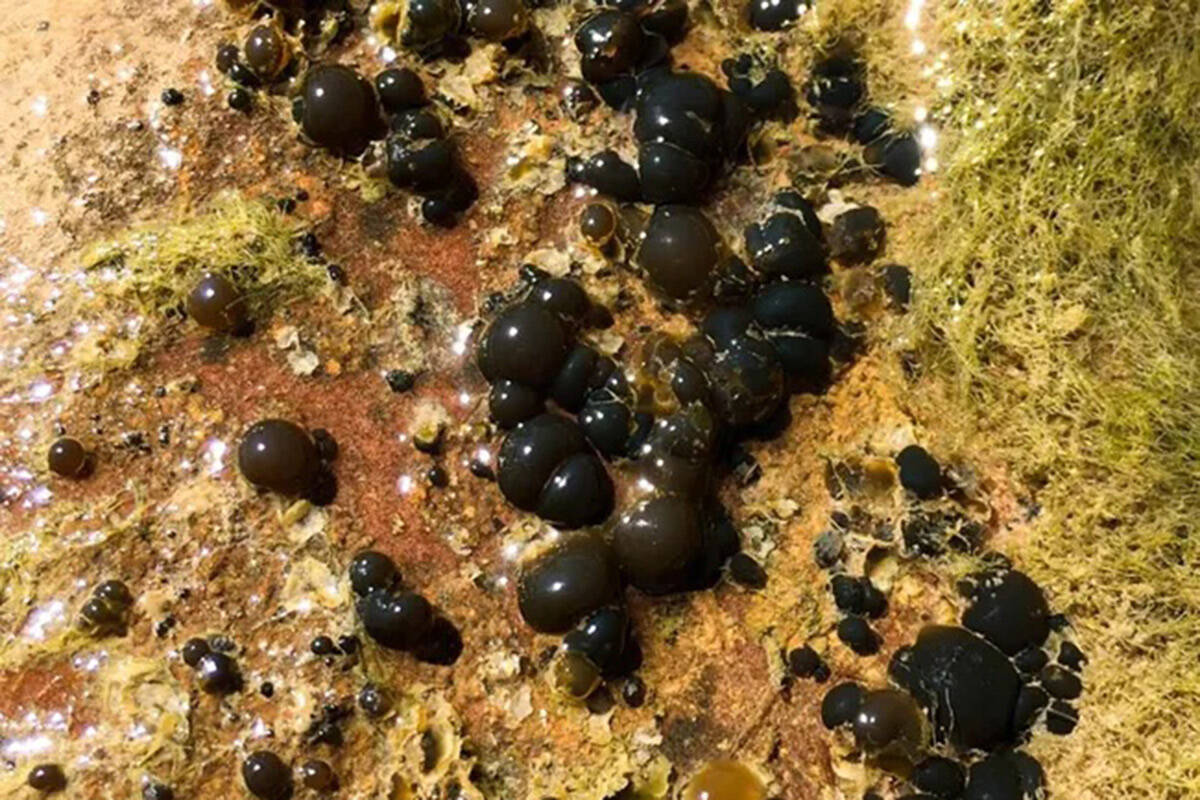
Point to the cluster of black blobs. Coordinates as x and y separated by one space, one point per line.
963 698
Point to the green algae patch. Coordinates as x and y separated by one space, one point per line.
1057 335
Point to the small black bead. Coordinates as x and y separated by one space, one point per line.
172 97
157 791
841 705
856 634
163 626
266 776
373 701
323 646
747 572
370 570
348 644
848 594
193 650
437 476
309 245
227 56
336 274
93 97
482 469
218 674
47 778
267 689
1061 718
939 776
400 380
633 691
919 472
1060 682
1071 657
286 205
804 662
240 100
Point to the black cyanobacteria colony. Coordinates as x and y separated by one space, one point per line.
974 692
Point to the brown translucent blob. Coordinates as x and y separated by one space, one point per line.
68 458
216 303
725 780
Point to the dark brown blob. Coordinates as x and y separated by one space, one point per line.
566 584
397 621
266 51
266 776
68 458
889 720
526 344
574 674
498 20
217 673
47 778
400 89
658 543
598 223
337 109
840 705
278 455
193 650
318 775
217 304
679 252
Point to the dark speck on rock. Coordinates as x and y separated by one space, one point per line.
828 549
172 97
400 380
897 284
747 572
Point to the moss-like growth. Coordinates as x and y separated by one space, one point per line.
1056 315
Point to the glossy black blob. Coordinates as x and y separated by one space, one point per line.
578 493
611 44
511 403
841 705
857 236
608 423
564 297
658 543
157 791
573 382
374 701
1031 701
898 156
746 378
897 284
1006 775
745 571
107 611
532 452
421 166
68 458
397 621
679 252
608 174
428 22
1030 660
1071 657
770 97
835 90
216 303
278 455
47 778
848 594
1061 718
566 584
240 100
856 633
399 89
266 51
602 637
441 645
338 109
578 100
871 125
598 223
526 343
371 570
498 20
266 775
774 15
668 19
939 776
193 650
1060 682
804 662
784 245
633 691
919 472
1009 610
227 56
217 673
888 719
967 686
670 174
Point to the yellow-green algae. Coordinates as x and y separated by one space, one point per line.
1056 330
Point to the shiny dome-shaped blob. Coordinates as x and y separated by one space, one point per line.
564 585
840 705
725 780
602 637
1006 775
216 303
371 570
564 297
397 621
318 775
526 343
896 155
267 51
1009 610
217 673
676 456
511 403
573 382
498 20
769 96
337 109
598 223
889 720
441 645
784 245
835 90
939 776
919 472
967 686
266 775
774 15
399 89
546 466
609 174
611 46
679 252
46 778
68 458
426 23
278 455
658 543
